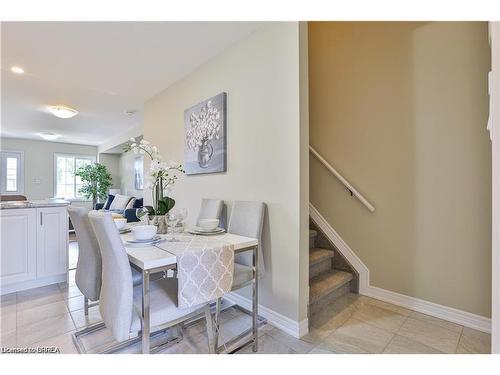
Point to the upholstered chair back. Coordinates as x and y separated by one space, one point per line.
247 219
88 268
116 302
210 209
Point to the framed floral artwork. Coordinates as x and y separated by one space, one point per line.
205 129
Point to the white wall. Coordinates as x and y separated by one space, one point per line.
39 163
112 164
127 182
261 77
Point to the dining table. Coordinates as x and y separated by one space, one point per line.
151 259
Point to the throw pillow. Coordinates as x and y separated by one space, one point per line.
139 202
120 202
130 203
108 201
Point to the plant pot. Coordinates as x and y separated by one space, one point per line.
159 221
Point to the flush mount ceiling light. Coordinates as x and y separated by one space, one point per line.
16 69
49 136
62 111
130 112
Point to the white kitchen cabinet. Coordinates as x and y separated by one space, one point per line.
34 246
18 246
51 243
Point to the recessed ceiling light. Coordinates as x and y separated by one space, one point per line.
62 111
49 136
17 70
130 112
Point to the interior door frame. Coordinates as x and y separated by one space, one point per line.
494 127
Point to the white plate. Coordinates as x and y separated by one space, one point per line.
201 230
155 238
205 233
144 244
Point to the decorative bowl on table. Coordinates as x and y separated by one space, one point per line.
208 224
120 222
144 232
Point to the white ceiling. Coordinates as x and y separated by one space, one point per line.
101 69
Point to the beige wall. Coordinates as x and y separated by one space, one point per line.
112 164
261 77
400 109
39 163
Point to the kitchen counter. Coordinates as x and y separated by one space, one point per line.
33 204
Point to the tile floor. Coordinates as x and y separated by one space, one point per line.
49 315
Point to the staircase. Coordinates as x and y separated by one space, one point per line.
330 276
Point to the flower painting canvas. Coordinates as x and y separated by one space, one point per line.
205 126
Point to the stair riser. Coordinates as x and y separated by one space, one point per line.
321 267
328 299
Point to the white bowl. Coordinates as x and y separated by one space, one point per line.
120 223
144 232
208 224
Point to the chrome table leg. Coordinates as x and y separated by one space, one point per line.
146 324
255 299
217 322
86 306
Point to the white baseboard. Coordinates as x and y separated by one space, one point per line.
290 326
25 285
451 314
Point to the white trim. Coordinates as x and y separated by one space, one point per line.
92 158
284 323
20 174
433 309
343 247
450 314
25 285
494 127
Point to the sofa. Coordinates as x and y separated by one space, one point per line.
127 211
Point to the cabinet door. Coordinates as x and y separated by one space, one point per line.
52 241
18 245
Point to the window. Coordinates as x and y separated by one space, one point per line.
12 172
67 184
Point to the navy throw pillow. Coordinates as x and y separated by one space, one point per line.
139 202
108 201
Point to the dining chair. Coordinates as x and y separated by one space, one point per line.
88 267
210 209
121 303
247 219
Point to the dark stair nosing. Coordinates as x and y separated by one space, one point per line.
326 283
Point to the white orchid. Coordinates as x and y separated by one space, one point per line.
205 126
162 175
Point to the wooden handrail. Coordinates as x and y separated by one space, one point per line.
346 183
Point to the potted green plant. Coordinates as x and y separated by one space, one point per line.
162 176
96 182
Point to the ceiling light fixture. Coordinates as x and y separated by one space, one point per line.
62 111
49 136
17 70
130 112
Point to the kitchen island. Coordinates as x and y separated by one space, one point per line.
34 244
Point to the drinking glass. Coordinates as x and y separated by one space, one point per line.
173 217
183 212
142 214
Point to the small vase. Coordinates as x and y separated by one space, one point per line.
159 221
205 152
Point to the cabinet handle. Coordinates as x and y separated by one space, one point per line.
41 218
